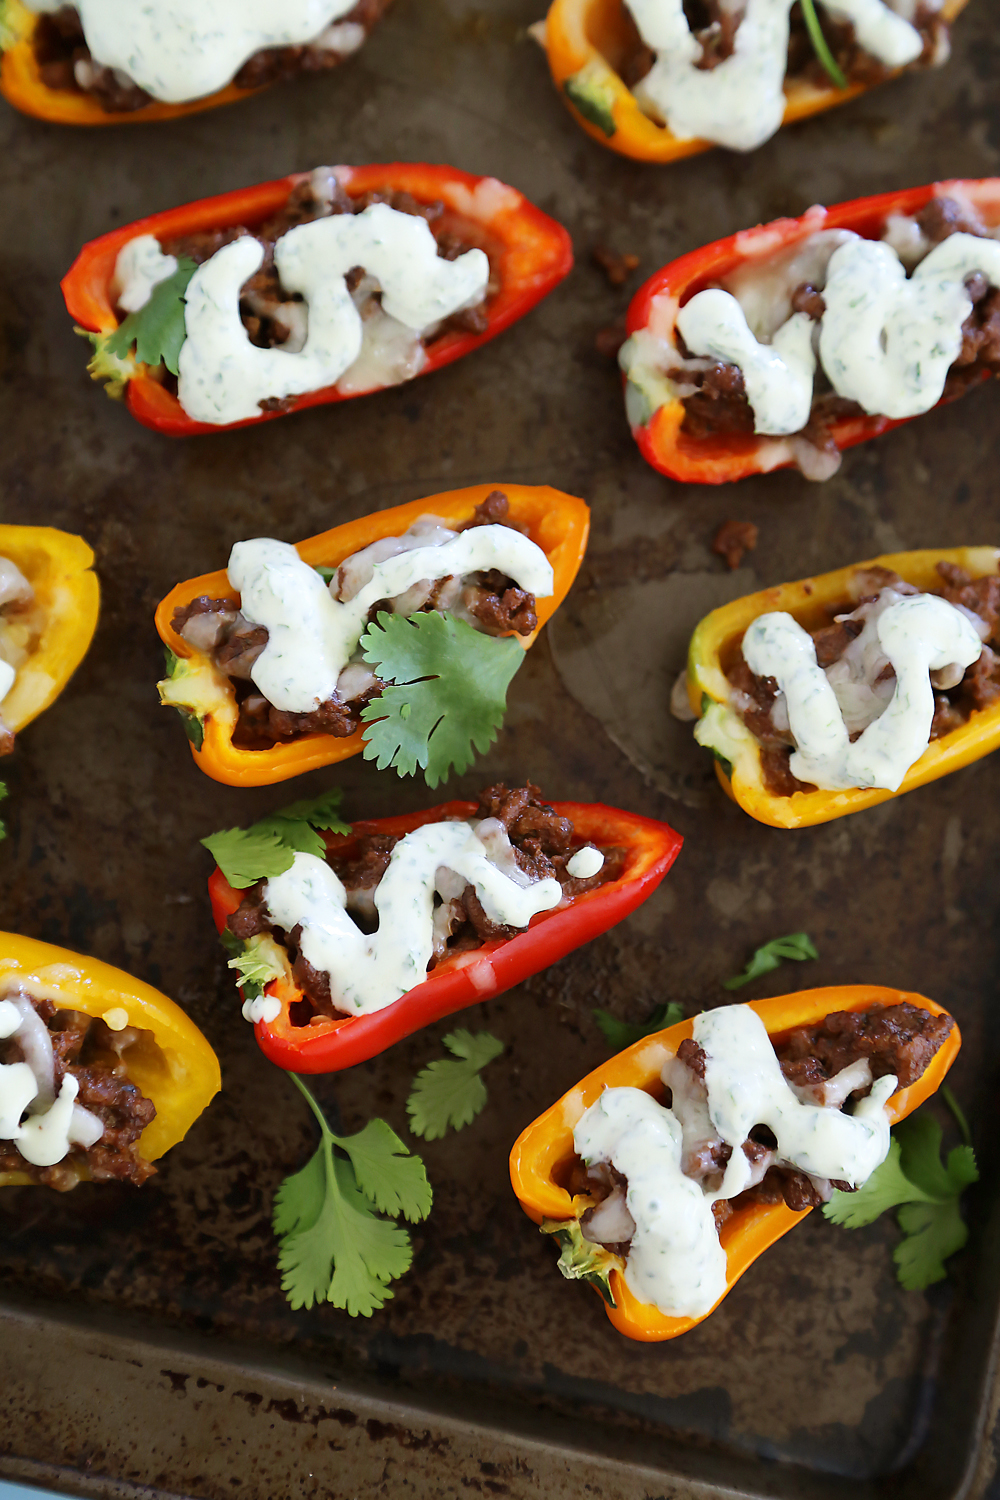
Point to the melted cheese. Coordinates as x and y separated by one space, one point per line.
311 635
369 972
184 49
919 634
740 102
675 1260
224 378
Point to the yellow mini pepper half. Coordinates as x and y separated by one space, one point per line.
587 43
58 566
810 601
171 1063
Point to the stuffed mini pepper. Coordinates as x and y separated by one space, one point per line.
49 599
408 624
665 1173
307 290
825 696
782 345
658 80
95 63
348 939
99 1073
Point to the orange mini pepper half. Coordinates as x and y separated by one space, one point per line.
810 601
171 1063
657 415
588 42
58 565
327 1046
543 1153
556 522
529 255
23 86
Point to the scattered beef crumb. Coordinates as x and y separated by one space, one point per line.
617 268
733 539
608 340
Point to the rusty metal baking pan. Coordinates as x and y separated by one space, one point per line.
145 1345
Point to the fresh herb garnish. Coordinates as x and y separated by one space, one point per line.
327 574
334 1246
448 692
621 1034
819 44
797 945
157 329
257 961
268 847
579 1260
449 1091
925 1190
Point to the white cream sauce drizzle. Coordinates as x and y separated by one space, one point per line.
223 377
14 589
919 634
369 972
184 49
54 1122
675 1261
885 340
585 862
740 102
311 635
141 265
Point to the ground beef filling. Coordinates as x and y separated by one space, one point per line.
719 404
543 844
88 1049
64 61
898 1039
979 688
234 644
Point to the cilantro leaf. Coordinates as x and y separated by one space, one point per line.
157 329
621 1034
257 962
334 1246
926 1192
268 847
797 945
446 696
449 1091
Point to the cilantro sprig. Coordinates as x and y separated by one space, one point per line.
926 1193
268 847
335 1247
449 1091
621 1034
445 694
157 329
797 945
820 45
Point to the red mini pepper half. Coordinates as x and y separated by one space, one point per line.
529 254
326 1046
720 458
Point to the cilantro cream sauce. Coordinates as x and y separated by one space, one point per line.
675 1260
224 377
740 102
919 634
311 635
54 1122
141 266
369 972
184 49
885 340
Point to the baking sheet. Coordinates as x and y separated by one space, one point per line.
140 1329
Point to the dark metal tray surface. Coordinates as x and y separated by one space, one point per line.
145 1344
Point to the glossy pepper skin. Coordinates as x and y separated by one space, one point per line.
587 43
557 523
22 86
327 1046
809 601
543 1152
720 458
529 254
177 1069
58 565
